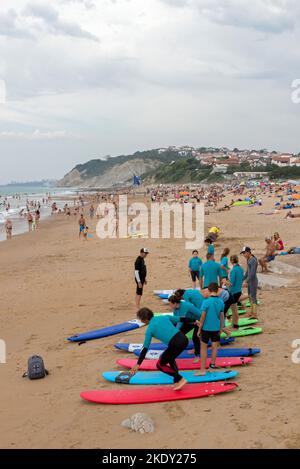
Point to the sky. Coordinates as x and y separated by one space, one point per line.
81 79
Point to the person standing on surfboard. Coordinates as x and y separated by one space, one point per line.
251 280
210 325
140 273
236 287
163 328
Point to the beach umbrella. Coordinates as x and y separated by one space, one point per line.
296 197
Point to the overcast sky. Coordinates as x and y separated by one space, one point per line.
87 78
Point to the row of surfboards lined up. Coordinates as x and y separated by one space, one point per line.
157 389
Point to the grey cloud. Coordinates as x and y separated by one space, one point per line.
10 26
54 24
268 16
88 4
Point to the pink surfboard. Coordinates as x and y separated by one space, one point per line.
186 363
152 394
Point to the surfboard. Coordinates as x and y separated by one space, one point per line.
227 352
126 347
107 331
157 377
187 363
153 394
244 331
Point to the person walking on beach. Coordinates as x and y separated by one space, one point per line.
8 227
92 211
37 218
140 274
163 328
81 223
269 256
250 278
30 221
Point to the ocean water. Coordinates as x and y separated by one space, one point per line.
18 196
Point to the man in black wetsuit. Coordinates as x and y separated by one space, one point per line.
140 274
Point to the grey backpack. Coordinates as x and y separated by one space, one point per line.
36 368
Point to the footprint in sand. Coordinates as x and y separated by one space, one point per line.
174 410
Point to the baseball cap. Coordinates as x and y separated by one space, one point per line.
245 249
145 250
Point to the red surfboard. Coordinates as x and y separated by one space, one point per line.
186 363
152 394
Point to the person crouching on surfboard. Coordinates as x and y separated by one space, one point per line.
163 328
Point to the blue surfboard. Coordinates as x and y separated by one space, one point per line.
107 331
222 352
157 377
160 346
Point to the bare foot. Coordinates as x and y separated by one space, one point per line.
180 384
200 373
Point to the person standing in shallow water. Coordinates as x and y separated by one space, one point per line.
8 227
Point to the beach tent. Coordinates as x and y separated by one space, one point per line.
184 193
296 197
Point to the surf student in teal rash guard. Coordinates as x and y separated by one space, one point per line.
192 296
210 325
210 246
210 271
190 313
163 328
224 265
194 266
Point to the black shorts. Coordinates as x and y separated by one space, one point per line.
206 336
139 291
236 297
195 275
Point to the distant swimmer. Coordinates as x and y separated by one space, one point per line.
81 223
9 228
163 328
140 274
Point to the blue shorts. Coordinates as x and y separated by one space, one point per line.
81 228
270 258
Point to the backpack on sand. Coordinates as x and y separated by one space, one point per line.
36 368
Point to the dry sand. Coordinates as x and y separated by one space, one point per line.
54 285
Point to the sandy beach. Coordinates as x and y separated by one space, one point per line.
54 285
